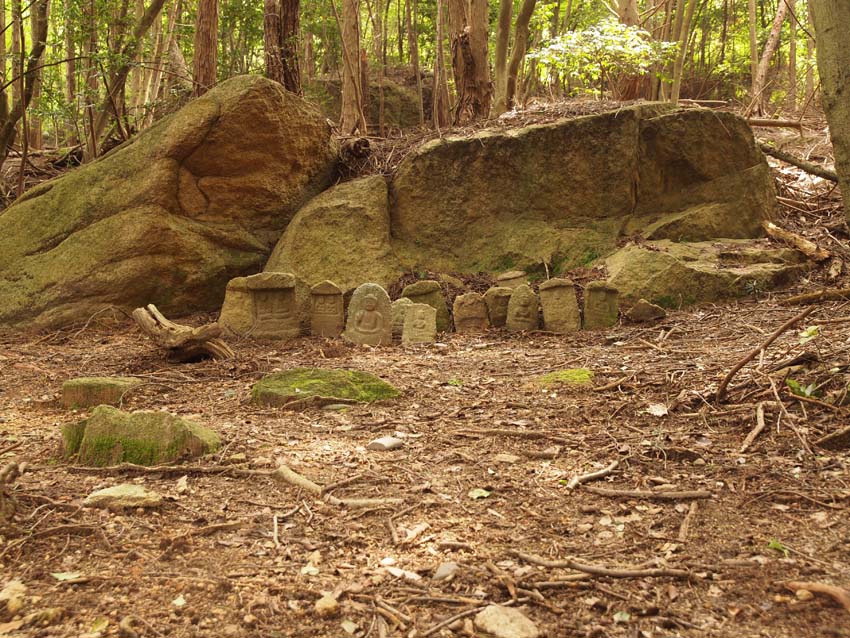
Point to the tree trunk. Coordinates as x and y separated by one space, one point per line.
413 48
832 24
810 58
482 89
272 36
289 28
678 68
352 101
791 100
523 19
500 65
440 91
36 137
754 45
760 79
204 61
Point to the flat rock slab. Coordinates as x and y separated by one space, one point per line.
110 436
321 387
505 622
385 443
86 392
122 496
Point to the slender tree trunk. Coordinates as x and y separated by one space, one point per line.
440 90
678 69
810 58
272 36
791 101
204 61
500 66
290 26
523 19
832 24
36 136
760 100
754 45
478 46
413 48
352 118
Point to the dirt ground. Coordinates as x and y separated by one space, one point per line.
235 552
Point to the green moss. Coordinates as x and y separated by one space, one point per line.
328 386
84 392
72 437
571 376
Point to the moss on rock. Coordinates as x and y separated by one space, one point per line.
323 386
571 376
110 436
86 392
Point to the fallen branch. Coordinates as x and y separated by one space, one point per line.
809 167
752 354
651 496
686 522
760 425
827 294
766 123
838 440
182 343
615 384
838 594
287 475
595 570
577 480
797 242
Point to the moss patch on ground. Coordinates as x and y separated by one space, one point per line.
324 386
571 376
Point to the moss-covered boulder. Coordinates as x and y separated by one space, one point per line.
671 274
568 377
321 386
110 436
86 392
342 235
171 216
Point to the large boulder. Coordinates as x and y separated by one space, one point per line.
672 274
342 235
169 217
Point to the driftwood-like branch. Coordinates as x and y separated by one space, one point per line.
809 248
767 123
670 495
182 343
578 479
287 475
827 294
809 167
752 354
595 570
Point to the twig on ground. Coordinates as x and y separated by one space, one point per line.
760 425
287 475
838 594
686 522
652 496
595 570
577 480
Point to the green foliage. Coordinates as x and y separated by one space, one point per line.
594 54
797 388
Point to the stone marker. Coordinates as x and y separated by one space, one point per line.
399 310
643 312
601 305
470 313
505 622
327 311
560 307
497 299
86 392
261 306
122 496
369 316
522 309
430 292
110 436
420 324
512 279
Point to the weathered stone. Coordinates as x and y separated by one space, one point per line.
601 305
86 392
430 292
420 324
172 215
322 387
505 622
342 235
263 306
672 275
522 309
369 316
643 312
110 436
470 313
512 279
399 310
385 443
327 606
123 496
450 280
327 310
497 299
560 306
446 571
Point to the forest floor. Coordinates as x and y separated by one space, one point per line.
483 477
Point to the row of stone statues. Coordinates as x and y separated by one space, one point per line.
267 306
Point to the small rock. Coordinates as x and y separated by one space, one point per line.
14 595
350 627
385 443
336 407
804 594
505 622
643 312
121 496
327 606
506 458
446 571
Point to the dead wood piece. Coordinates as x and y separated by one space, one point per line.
839 440
577 480
838 594
667 495
827 294
285 474
766 123
595 570
809 167
686 522
182 343
809 248
752 354
760 425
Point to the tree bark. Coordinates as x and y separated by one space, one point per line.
272 36
791 99
760 79
684 32
290 26
832 24
352 118
440 93
204 61
468 23
523 19
413 48
500 65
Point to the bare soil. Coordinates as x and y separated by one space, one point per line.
212 561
